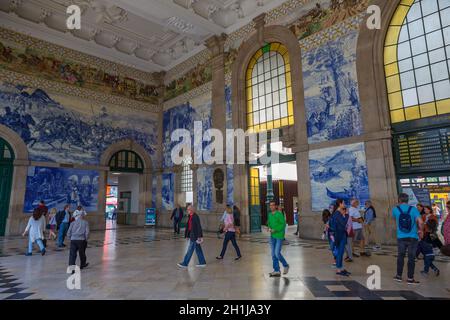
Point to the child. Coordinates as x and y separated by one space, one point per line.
426 249
52 224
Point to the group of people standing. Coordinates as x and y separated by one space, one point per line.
65 223
343 226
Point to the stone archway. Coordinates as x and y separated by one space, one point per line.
145 179
294 136
16 220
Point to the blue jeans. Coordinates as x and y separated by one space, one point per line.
428 263
406 245
339 252
230 236
62 233
277 257
38 242
193 245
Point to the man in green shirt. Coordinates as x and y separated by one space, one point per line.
277 224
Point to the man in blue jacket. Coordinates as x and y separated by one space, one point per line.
177 216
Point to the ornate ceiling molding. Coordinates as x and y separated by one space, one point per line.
76 56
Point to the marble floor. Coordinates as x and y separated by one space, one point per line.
140 263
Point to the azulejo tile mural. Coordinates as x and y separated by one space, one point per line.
183 117
31 62
168 191
338 172
321 14
332 102
154 188
230 186
194 78
229 125
204 188
61 186
58 128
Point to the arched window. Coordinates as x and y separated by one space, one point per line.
269 90
186 179
126 161
416 60
6 152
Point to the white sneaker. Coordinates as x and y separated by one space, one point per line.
181 266
201 265
286 270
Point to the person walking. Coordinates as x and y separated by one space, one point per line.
237 220
350 234
230 235
409 230
276 224
297 219
194 233
339 230
426 249
35 229
52 224
437 211
430 228
177 216
78 235
63 218
369 224
446 227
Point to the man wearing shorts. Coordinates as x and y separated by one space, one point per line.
357 225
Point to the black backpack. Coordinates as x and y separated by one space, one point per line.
405 222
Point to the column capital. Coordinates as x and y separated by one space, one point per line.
260 22
216 44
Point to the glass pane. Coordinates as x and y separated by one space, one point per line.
262 103
442 89
445 17
407 80
420 60
425 93
256 117
432 22
415 12
283 110
262 116
267 65
269 114
269 100
437 55
255 104
434 40
416 28
283 97
410 97
276 97
404 51
276 112
439 71
418 45
429 6
446 32
403 33
255 91
261 90
273 62
268 86
275 84
423 75
7 154
405 65
444 4
282 82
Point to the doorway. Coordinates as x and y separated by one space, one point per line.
284 186
123 189
6 175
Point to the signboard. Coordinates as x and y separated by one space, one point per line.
423 151
150 216
418 195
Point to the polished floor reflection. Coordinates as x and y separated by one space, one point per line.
138 263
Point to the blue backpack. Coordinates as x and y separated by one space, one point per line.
405 222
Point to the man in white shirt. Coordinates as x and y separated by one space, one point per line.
357 224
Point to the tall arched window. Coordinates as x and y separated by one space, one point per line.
186 179
269 90
416 60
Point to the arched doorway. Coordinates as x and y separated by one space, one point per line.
123 187
6 176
